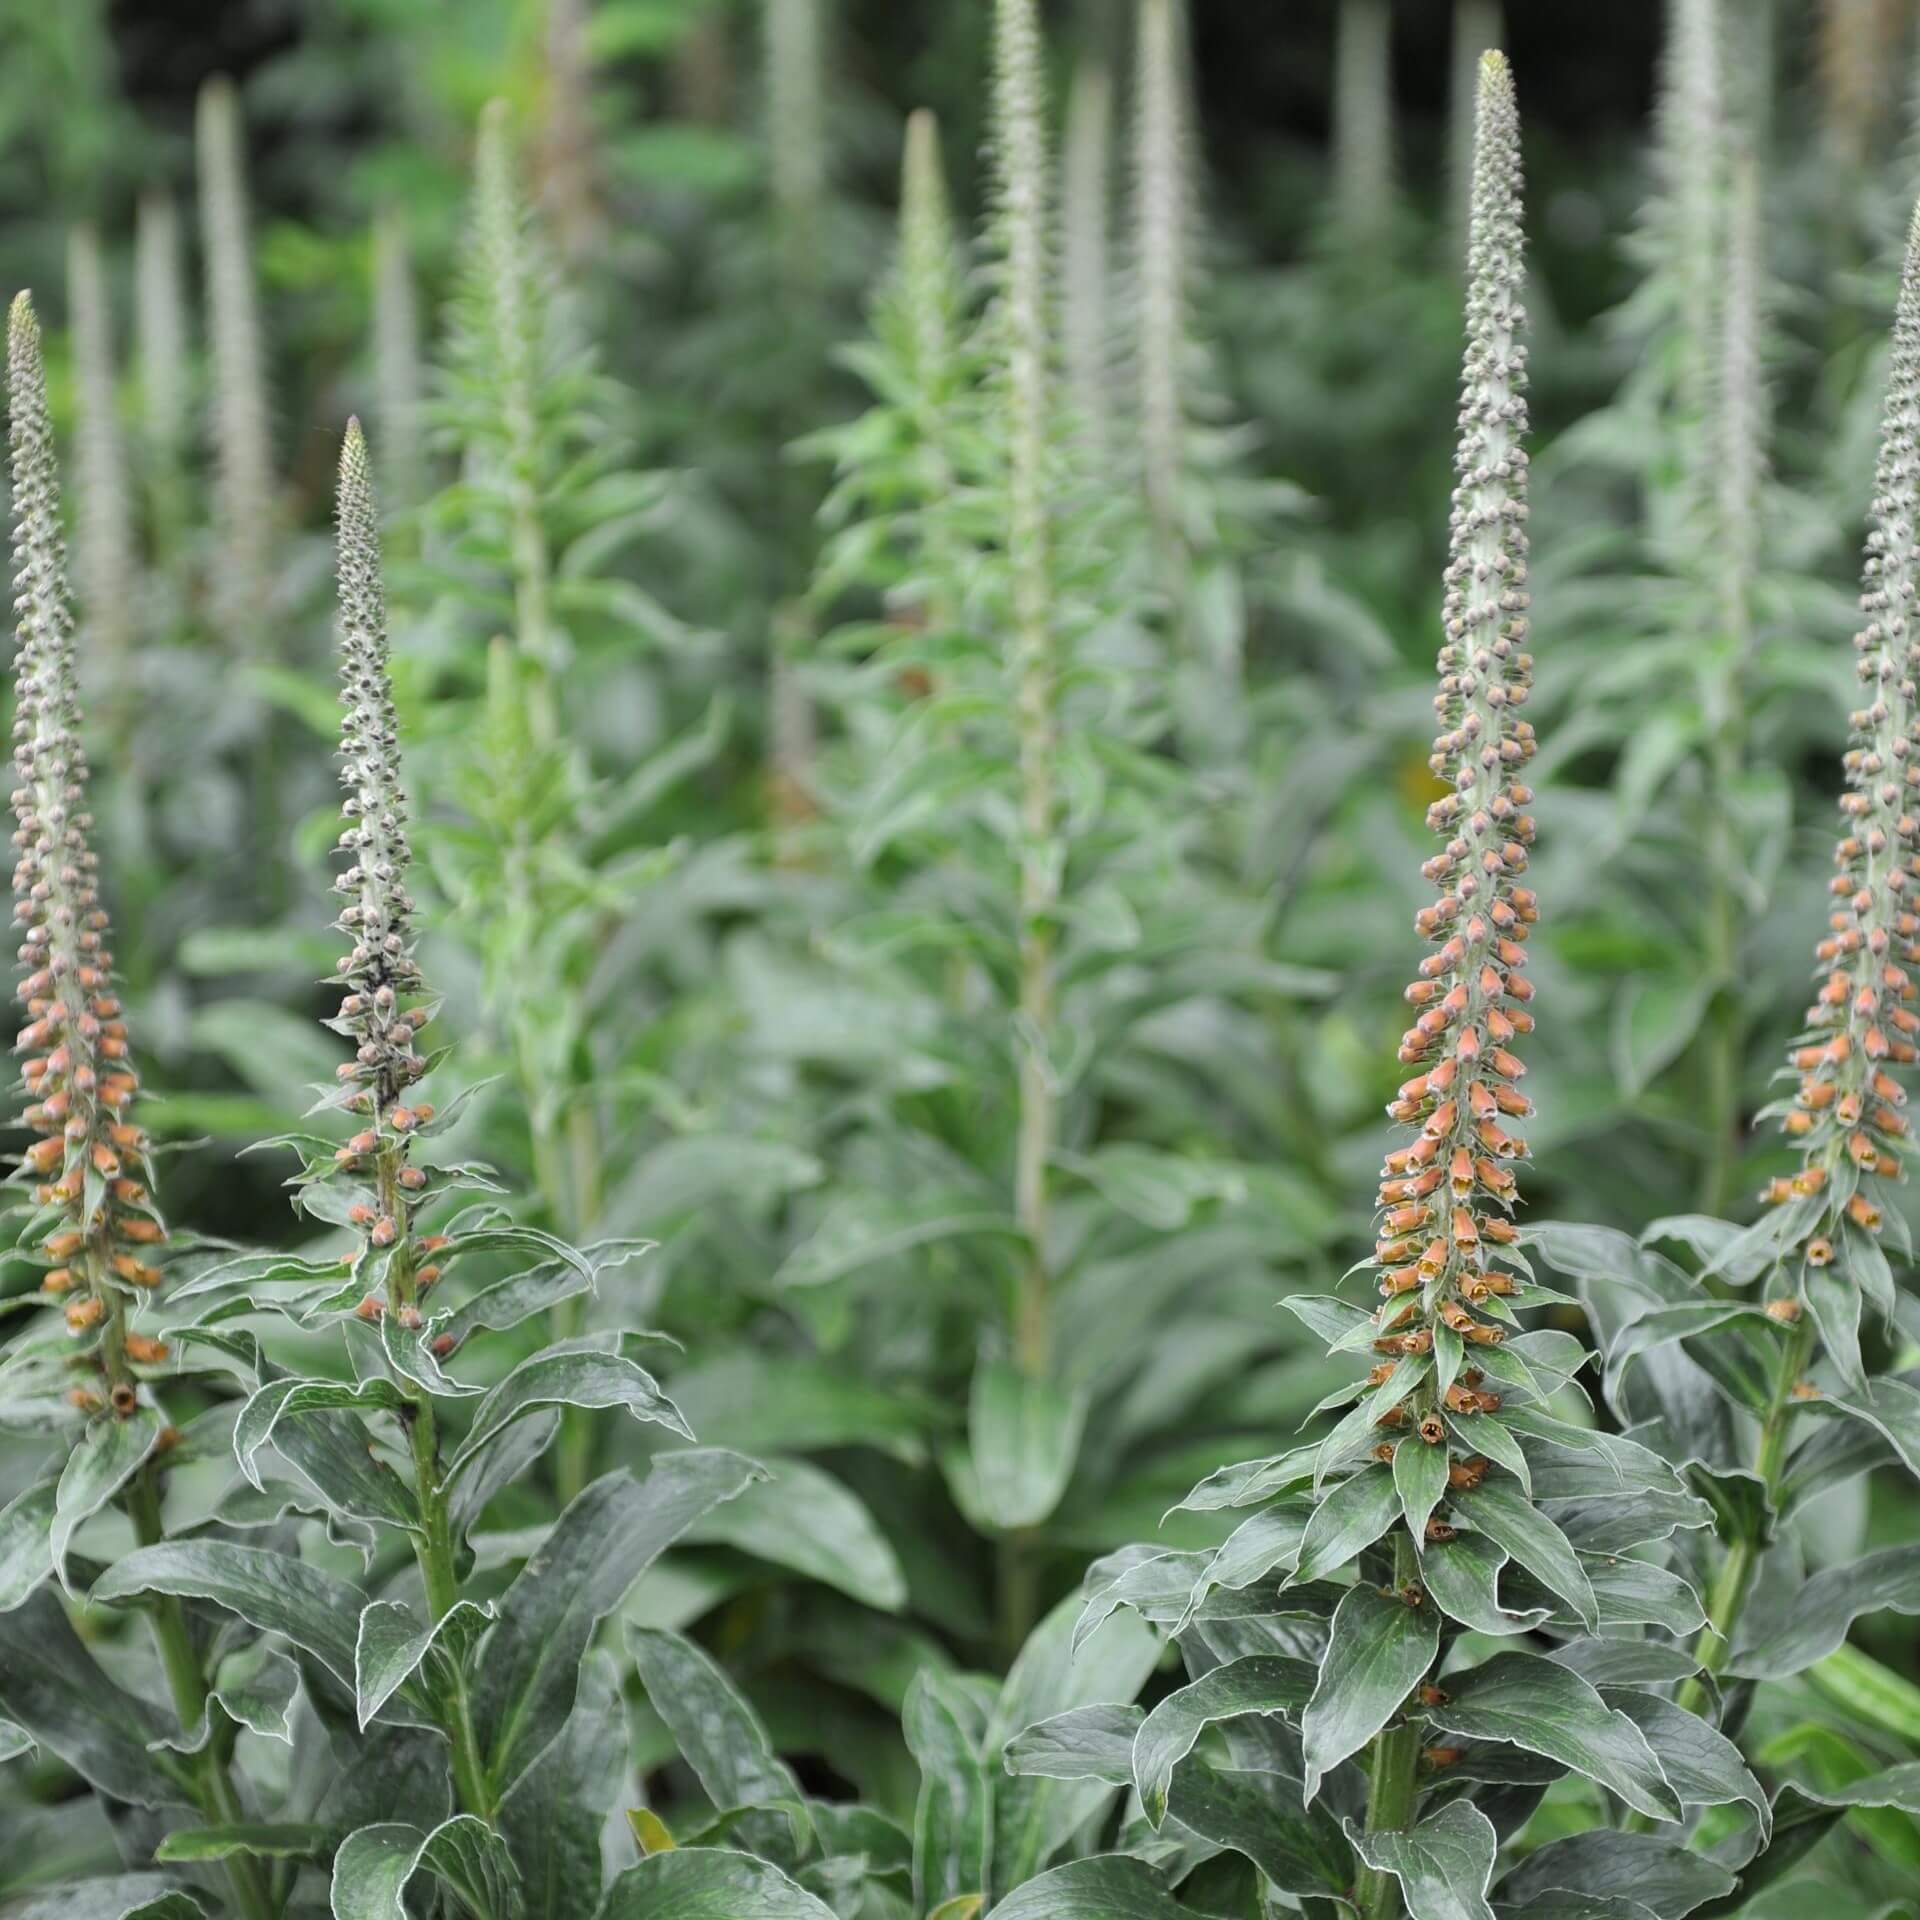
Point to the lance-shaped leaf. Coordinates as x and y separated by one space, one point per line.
1084 1743
264 1840
1262 1815
1378 1652
1547 1709
271 1591
1110 1886
718 1733
570 1378
1351 1517
1024 1436
708 1883
1420 1479
1702 1765
945 1720
109 1453
374 1868
262 1414
1443 1864
604 1541
50 1685
1664 1876
391 1644
1506 1516
1462 1578
1817 1619
26 1543
1261 1683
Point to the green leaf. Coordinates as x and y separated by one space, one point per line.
946 1727
26 1544
570 1378
518 1297
375 1866
1260 1683
290 1840
1443 1864
1462 1578
1890 1407
609 1535
788 1403
271 1591
798 1516
109 1453
1543 1707
126 1896
1262 1816
1664 1876
555 1811
50 1685
1507 1517
1637 1593
708 1883
719 1735
1834 1301
1420 1479
1262 1542
1377 1653
1055 1672
1108 1887
1352 1516
1084 1743
391 1644
1024 1435
1817 1619
1702 1765
255 1427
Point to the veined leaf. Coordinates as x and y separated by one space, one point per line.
719 1735
1084 1743
1664 1876
290 1840
946 1730
1350 1518
391 1644
1512 1521
1261 1683
109 1453
258 1418
569 1378
375 1866
1443 1864
708 1883
1816 1621
1378 1652
1547 1709
26 1543
1110 1886
1262 1816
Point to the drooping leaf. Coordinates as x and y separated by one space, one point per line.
1817 1619
1443 1863
1462 1578
1261 1683
1512 1521
718 1733
1547 1709
707 1883
391 1644
1262 1816
1420 1479
803 1518
258 1418
946 1730
1702 1765
1024 1436
1352 1516
375 1866
1378 1652
108 1454
604 1541
569 1378
26 1543
271 1591
286 1840
1663 1875
1084 1743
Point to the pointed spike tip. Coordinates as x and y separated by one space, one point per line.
20 315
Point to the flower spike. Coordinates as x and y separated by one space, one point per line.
1847 1114
1448 1196
89 1165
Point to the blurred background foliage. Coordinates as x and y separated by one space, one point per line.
664 916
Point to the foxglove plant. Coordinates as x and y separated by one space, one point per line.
104 524
1086 226
239 430
452 1736
92 1221
1450 1504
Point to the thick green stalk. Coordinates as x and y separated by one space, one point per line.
1394 1775
433 1544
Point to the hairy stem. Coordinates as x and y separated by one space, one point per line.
433 1544
1394 1773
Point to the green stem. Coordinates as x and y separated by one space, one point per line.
1723 1034
433 1544
1394 1772
187 1684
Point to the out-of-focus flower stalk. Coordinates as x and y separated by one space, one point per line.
103 522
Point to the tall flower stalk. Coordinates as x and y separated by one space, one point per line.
104 522
89 1168
1022 330
1362 122
1163 219
397 375
160 341
1086 271
1449 1195
241 434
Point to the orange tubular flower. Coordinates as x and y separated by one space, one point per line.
76 1073
1471 989
1844 1113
